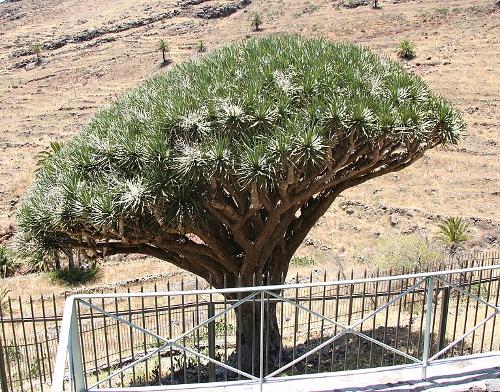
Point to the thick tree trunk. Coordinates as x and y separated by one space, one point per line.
248 332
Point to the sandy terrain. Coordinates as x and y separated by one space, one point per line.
104 50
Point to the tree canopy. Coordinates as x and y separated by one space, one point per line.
223 164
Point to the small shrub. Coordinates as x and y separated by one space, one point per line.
452 232
163 47
406 50
74 275
8 262
256 21
405 251
37 50
301 261
200 48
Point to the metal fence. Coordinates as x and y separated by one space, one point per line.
111 328
414 318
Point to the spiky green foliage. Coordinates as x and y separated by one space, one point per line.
406 50
201 47
256 21
163 47
223 164
453 231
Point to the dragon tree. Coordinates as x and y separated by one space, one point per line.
222 165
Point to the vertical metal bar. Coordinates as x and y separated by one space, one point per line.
410 322
443 320
158 332
16 347
323 308
477 305
94 345
183 315
196 321
268 321
254 333
3 374
118 335
169 310
211 337
26 344
495 318
457 306
282 323
374 322
144 341
45 329
75 354
106 342
362 315
309 315
84 363
296 322
466 314
225 329
261 342
131 333
386 321
2 323
428 318
349 319
239 326
39 358
398 322
337 293
488 294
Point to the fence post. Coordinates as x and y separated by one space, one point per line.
75 353
261 342
3 374
428 318
444 317
211 340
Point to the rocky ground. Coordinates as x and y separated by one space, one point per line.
92 52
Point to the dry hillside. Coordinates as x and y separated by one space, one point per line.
96 50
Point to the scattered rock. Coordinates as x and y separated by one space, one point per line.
354 3
221 11
309 241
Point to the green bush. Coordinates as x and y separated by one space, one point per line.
256 21
75 275
453 231
201 47
8 262
405 252
302 260
406 50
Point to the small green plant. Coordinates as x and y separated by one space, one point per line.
200 47
302 260
163 47
256 21
74 275
37 50
8 262
406 50
452 232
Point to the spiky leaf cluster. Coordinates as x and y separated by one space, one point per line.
250 116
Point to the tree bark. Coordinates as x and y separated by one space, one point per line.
248 327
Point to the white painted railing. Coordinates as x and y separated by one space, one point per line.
69 369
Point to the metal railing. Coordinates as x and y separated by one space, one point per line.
428 284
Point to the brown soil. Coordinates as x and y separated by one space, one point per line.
94 52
